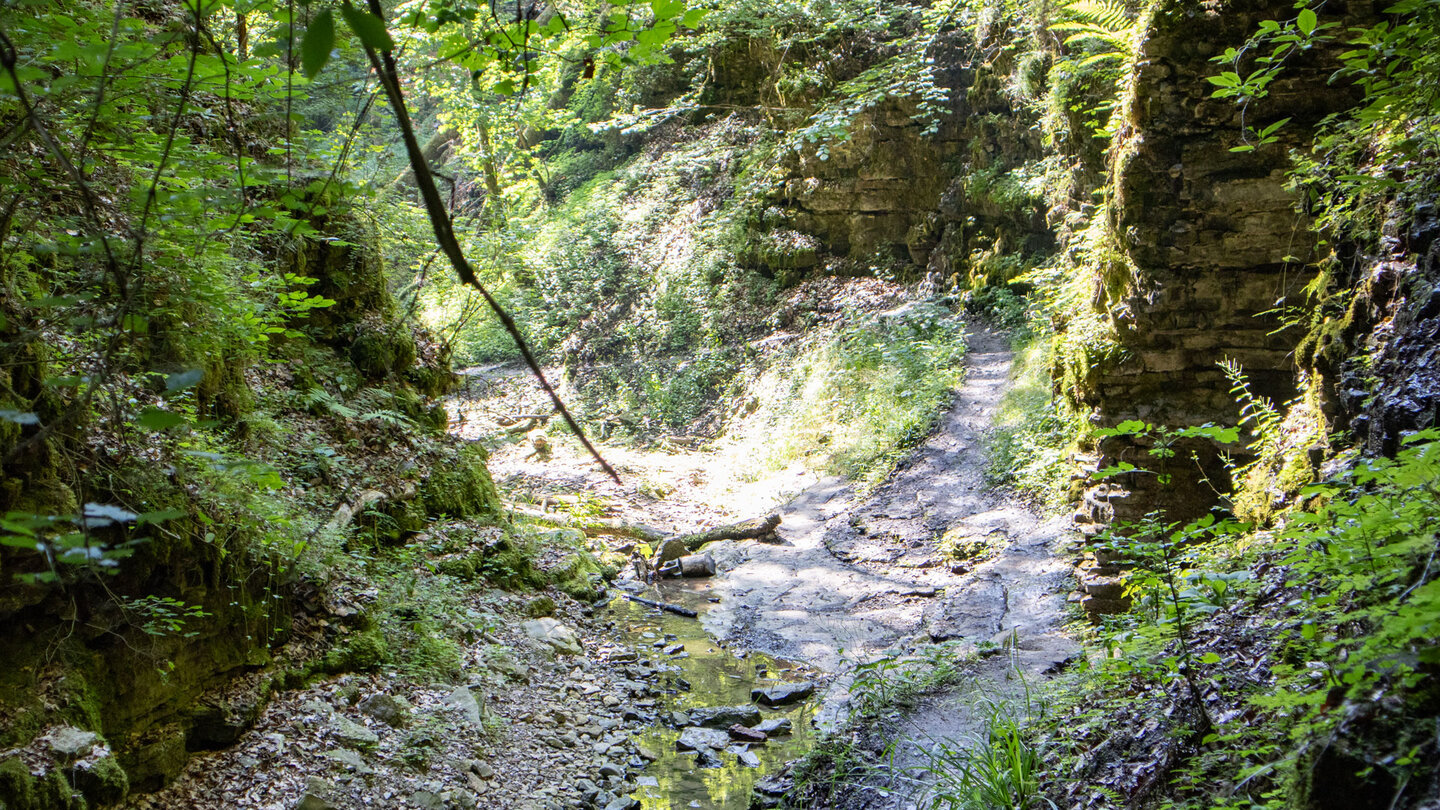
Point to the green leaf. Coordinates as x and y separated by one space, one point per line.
159 516
1210 658
666 9
19 418
158 419
1307 21
369 28
318 42
1273 128
182 380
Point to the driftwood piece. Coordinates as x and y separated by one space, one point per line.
691 566
590 525
744 530
346 512
525 424
666 606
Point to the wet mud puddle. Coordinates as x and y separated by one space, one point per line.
705 691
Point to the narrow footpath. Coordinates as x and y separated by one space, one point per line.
859 577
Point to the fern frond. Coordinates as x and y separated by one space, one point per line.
1111 15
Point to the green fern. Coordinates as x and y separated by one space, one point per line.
1105 26
1258 413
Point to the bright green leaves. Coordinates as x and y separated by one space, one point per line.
368 28
158 419
317 44
1307 21
319 40
692 18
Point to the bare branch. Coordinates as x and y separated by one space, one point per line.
384 66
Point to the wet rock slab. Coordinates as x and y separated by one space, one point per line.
783 694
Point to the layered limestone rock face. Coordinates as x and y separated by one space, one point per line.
907 190
1210 245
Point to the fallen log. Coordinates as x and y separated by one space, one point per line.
744 530
525 425
345 514
666 606
591 525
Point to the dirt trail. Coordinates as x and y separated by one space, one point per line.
857 577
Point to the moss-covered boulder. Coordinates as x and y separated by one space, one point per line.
459 485
381 352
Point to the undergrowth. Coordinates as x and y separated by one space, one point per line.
1308 653
1033 436
853 401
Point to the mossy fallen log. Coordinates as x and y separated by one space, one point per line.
752 529
592 525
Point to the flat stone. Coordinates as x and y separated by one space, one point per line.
775 786
707 758
610 769
742 734
748 758
350 759
783 694
774 726
461 799
724 716
311 801
69 742
463 702
353 735
622 803
695 738
554 635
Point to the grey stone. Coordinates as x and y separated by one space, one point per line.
707 758
622 803
69 742
610 769
353 735
310 801
461 799
700 739
553 635
350 760
783 694
462 701
725 716
388 709
774 726
427 800
314 797
748 758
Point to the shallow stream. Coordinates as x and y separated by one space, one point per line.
705 674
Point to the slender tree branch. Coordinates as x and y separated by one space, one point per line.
384 66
